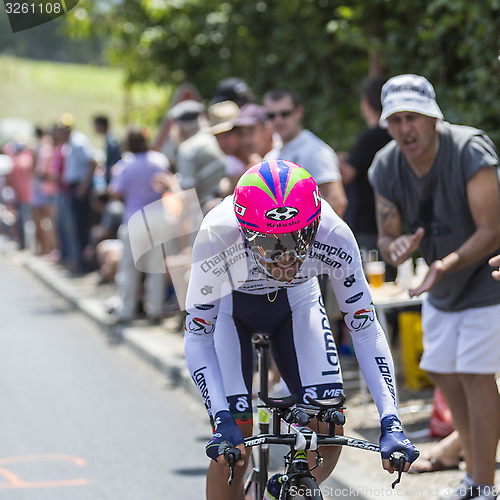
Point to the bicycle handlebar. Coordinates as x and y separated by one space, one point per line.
322 439
398 460
278 403
232 455
325 404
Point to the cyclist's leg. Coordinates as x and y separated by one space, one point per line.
218 474
307 358
235 354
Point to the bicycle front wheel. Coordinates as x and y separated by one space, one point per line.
306 489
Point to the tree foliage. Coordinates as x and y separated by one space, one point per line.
321 48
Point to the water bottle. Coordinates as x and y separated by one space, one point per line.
273 487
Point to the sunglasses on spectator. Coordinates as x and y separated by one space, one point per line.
285 113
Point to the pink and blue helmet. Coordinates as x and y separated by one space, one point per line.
278 207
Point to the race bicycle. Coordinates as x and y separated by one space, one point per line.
297 481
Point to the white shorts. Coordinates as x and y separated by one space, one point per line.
461 342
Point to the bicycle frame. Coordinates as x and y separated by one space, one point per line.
260 470
301 440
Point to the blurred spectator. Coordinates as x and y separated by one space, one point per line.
166 141
20 180
7 212
110 217
108 255
221 118
112 144
65 226
444 455
179 213
200 161
78 175
132 181
354 166
233 89
45 188
302 147
256 132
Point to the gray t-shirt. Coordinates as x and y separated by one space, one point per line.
311 153
201 164
438 203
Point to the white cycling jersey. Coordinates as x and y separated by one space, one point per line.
224 272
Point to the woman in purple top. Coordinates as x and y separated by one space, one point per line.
131 181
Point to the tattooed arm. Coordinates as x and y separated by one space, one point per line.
394 246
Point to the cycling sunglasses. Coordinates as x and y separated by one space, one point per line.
271 247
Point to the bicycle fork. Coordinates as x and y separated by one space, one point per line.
297 468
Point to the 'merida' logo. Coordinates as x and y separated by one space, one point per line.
26 14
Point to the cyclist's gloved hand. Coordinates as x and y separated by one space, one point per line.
225 430
392 439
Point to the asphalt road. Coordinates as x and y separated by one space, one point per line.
81 420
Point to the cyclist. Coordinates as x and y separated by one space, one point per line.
256 260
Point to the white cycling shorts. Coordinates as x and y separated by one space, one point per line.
302 344
461 342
